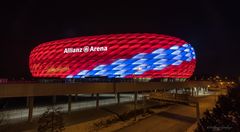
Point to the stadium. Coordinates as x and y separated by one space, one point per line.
140 55
110 69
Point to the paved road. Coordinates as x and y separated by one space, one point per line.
176 119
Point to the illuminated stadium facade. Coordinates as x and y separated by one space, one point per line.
114 56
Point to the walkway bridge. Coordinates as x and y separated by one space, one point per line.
30 90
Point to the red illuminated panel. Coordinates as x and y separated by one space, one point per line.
99 55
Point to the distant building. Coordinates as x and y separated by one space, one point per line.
114 56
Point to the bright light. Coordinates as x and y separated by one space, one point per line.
139 68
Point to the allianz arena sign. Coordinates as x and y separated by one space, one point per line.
86 49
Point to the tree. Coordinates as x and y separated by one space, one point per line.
51 121
225 116
1 118
3 115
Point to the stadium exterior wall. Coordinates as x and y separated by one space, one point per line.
114 56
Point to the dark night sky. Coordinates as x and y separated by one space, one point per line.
211 27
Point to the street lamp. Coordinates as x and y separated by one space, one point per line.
135 96
134 74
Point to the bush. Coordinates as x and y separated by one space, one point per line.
51 121
225 116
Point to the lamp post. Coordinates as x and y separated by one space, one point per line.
117 96
135 99
135 96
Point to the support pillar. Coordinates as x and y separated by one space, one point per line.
54 98
197 91
118 98
192 91
27 101
135 106
144 104
69 103
30 108
176 92
97 101
76 97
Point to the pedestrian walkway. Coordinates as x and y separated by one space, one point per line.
177 118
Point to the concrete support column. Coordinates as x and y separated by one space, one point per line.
97 100
176 92
76 97
27 101
144 104
30 108
135 106
69 103
192 91
118 98
197 91
54 98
